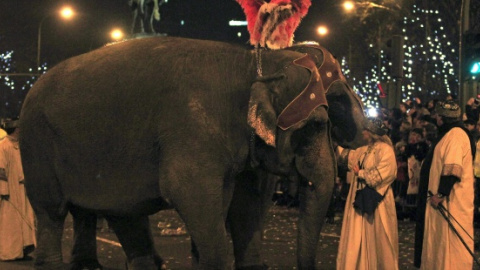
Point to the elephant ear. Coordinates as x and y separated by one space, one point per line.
261 115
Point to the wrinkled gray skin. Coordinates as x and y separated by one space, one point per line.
101 135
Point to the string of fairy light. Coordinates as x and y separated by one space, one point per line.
13 88
436 53
6 66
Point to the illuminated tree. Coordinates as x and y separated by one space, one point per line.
12 88
431 54
431 47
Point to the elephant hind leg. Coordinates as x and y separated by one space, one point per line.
49 240
43 189
135 235
84 251
206 226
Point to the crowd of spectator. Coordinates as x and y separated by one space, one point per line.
413 129
434 148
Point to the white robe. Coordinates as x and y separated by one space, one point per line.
442 249
371 242
17 226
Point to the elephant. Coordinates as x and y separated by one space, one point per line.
208 116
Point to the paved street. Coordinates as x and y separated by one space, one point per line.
279 243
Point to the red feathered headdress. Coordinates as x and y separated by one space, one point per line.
272 24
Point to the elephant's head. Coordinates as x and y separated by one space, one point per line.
346 110
288 112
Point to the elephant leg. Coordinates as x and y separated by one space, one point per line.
49 240
203 214
313 208
251 200
135 235
84 251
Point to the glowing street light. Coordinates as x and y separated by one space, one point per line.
65 13
117 34
348 6
322 30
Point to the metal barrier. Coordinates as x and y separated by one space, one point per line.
406 204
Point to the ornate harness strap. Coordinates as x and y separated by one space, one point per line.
314 94
330 70
310 98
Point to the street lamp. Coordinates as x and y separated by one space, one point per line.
117 34
65 13
322 30
348 6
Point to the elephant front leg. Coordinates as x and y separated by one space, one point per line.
84 251
313 209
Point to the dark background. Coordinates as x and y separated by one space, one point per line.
204 19
361 38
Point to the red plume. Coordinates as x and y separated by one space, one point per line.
273 24
250 8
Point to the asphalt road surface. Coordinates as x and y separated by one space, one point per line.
173 243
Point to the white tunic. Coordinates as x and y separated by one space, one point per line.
371 242
442 249
16 215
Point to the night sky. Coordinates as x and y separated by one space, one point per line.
203 19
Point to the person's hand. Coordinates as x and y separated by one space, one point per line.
409 103
356 169
4 197
411 111
471 101
435 200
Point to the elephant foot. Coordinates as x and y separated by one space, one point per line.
159 262
145 263
86 265
254 267
51 263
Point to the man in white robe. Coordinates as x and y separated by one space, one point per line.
17 226
370 241
452 184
